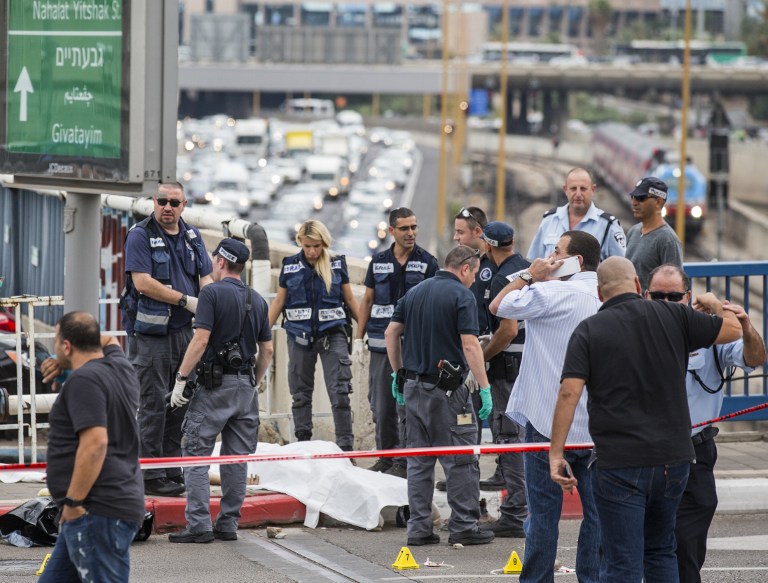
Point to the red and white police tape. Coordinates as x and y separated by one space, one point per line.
175 462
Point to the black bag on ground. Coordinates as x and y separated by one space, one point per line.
36 520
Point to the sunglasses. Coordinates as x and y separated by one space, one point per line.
642 197
468 257
464 213
671 296
174 202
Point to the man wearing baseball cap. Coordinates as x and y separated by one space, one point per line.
226 358
651 242
503 354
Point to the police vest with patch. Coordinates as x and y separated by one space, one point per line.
308 314
510 265
149 316
481 289
388 288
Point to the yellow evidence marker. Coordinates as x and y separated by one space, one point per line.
42 566
405 560
514 565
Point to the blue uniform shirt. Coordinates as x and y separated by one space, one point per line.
703 405
221 311
554 224
435 313
184 276
481 290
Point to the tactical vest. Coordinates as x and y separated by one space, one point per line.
481 289
307 315
387 289
150 316
510 265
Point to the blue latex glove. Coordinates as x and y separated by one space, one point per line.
485 397
399 397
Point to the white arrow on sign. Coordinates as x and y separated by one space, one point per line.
23 86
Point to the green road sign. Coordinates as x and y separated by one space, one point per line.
64 78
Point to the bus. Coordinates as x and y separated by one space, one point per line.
529 52
702 52
309 107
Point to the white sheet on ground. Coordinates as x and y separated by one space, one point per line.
14 477
334 487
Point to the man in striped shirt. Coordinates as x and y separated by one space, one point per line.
552 308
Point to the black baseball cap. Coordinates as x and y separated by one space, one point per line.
232 250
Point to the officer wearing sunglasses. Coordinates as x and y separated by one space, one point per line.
166 265
651 242
708 369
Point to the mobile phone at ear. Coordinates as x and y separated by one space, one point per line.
569 267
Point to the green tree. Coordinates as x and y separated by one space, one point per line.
755 36
600 14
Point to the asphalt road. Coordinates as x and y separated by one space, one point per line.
738 545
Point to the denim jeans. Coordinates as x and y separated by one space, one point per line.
545 505
91 549
637 508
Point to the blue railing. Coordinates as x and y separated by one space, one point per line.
740 282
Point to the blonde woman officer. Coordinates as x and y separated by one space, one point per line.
313 293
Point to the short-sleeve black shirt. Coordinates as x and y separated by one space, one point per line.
633 355
221 311
435 313
102 393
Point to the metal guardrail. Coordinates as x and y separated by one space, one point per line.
744 283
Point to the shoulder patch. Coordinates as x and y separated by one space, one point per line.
551 211
485 274
620 238
336 264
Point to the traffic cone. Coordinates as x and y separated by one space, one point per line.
514 565
405 560
42 566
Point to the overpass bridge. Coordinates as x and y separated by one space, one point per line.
425 77
537 86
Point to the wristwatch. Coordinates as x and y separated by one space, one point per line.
526 277
67 501
183 301
181 377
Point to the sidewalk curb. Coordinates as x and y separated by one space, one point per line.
258 509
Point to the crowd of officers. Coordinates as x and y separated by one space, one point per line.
484 337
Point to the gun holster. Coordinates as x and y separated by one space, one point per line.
450 377
504 366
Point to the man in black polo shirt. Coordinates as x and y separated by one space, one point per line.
438 319
633 356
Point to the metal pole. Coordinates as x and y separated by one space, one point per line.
501 182
82 253
680 212
720 218
441 210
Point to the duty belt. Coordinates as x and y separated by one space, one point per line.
705 434
228 370
422 378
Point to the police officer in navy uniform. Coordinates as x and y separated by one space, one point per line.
231 351
390 275
468 226
503 354
438 321
579 214
313 293
167 265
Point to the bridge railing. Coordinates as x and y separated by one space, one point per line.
743 283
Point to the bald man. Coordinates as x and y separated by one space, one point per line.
632 355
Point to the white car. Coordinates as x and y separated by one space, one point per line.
372 195
288 168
